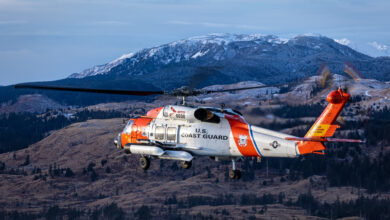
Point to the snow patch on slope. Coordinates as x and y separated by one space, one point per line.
101 69
199 54
343 41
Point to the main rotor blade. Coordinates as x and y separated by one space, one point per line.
352 71
325 75
104 91
237 89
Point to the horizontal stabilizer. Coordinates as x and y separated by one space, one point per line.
321 139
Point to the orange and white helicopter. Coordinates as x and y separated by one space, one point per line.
182 132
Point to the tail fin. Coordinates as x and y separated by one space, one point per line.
324 126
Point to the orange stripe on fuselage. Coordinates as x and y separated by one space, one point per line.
137 131
241 136
139 128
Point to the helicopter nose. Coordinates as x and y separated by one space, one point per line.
117 141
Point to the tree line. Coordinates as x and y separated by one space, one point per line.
19 130
368 208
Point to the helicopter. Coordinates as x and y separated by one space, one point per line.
183 132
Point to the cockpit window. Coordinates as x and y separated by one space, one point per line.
127 129
237 112
225 111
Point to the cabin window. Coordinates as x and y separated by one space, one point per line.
171 134
160 130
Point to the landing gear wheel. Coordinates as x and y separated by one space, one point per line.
186 164
234 174
144 163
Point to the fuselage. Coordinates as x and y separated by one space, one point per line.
227 135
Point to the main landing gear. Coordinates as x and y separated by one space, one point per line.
186 164
234 173
144 163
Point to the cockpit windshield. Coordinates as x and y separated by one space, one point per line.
127 129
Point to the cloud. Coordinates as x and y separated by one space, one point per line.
378 46
17 52
180 22
249 27
205 24
216 25
12 22
343 41
211 24
116 23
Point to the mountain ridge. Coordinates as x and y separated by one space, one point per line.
239 58
218 39
211 60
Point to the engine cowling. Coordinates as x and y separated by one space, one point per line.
188 113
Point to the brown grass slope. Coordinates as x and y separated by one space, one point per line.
77 145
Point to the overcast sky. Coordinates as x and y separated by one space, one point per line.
44 40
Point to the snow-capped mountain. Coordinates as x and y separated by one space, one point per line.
211 60
183 50
230 58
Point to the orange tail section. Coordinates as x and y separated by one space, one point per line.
324 126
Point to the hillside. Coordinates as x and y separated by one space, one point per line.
103 174
76 171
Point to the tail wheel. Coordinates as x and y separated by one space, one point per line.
186 164
144 163
234 174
